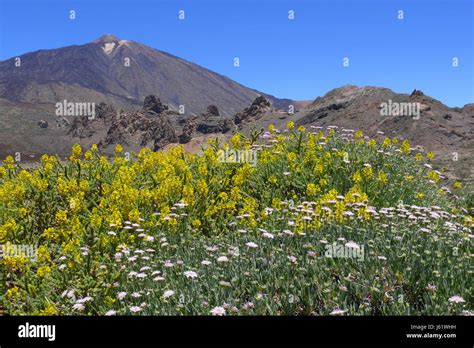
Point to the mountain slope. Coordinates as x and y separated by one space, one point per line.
448 132
121 73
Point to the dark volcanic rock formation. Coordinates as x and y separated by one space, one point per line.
187 132
153 103
149 127
215 124
212 122
212 110
259 107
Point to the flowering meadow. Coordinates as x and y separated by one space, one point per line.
325 222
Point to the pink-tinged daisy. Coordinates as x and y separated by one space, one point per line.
292 259
169 264
268 235
78 307
218 311
248 305
456 299
190 274
135 309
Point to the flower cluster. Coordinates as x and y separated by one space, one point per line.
177 233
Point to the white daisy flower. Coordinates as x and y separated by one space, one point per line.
78 307
456 299
222 259
190 274
338 312
135 309
268 235
292 259
352 245
168 293
218 311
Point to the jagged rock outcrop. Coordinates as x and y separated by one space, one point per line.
149 126
416 93
212 122
187 132
86 126
259 107
215 124
153 104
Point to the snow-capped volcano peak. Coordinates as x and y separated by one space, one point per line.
108 47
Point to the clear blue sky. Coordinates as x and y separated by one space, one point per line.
298 59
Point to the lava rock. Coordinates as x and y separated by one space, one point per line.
43 124
215 124
212 110
259 107
153 103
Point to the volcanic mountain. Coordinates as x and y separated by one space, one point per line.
139 94
120 73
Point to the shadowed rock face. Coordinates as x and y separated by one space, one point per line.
153 103
212 110
259 107
215 124
149 127
187 132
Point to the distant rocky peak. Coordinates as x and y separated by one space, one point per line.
259 107
107 38
416 93
261 101
153 103
109 43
